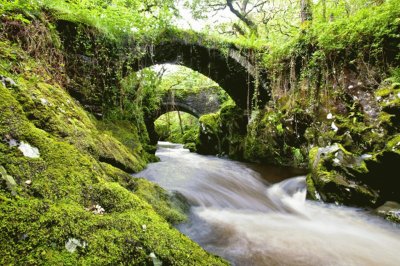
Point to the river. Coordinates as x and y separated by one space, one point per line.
240 215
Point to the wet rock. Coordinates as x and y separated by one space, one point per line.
334 177
390 211
364 98
190 146
389 102
383 173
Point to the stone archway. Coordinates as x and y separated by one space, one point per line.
230 67
196 103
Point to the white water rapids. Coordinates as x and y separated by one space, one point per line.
241 217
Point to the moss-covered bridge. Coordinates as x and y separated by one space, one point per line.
232 67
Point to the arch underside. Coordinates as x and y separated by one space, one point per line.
176 106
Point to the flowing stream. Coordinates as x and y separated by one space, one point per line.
241 216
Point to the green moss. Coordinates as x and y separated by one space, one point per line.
311 190
210 122
389 96
50 108
385 119
171 207
383 92
114 152
191 146
210 134
112 197
35 232
68 179
394 144
337 176
114 174
277 136
123 131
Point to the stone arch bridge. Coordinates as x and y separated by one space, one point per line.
195 102
232 67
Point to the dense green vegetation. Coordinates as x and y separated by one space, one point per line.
77 109
178 127
116 18
180 85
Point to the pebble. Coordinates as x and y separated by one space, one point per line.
334 127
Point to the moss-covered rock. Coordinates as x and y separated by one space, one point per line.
191 146
234 129
170 206
278 137
223 133
390 211
335 177
36 231
50 203
209 136
361 169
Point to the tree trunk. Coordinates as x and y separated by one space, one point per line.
305 10
180 122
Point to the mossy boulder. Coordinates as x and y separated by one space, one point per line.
335 177
390 211
209 135
234 129
223 133
342 173
278 136
50 108
191 146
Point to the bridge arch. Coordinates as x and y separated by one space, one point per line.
196 103
232 69
177 106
